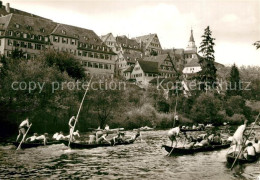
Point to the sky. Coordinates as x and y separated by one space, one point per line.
235 24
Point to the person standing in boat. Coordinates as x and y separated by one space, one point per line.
23 128
71 124
238 136
173 134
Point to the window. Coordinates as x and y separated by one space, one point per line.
56 39
32 36
46 39
42 30
85 53
40 37
38 46
29 27
73 41
17 26
30 45
10 42
10 33
80 53
90 64
65 40
63 32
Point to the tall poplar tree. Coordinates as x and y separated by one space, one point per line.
207 76
234 85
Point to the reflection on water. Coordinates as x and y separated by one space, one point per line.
141 160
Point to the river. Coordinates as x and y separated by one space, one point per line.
141 160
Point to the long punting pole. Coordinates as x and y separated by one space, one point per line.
79 111
245 141
19 147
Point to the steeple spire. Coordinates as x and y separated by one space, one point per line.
191 36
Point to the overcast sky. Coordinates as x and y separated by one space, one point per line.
235 23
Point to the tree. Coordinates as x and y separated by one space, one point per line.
65 62
207 76
206 108
234 85
257 44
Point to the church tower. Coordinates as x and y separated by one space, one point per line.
191 43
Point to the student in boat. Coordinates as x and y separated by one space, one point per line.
118 138
72 122
204 142
238 136
74 134
32 138
256 146
60 136
55 135
43 138
103 139
173 134
23 128
106 127
249 152
217 139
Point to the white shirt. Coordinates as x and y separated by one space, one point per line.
55 135
250 150
174 131
238 135
60 136
257 147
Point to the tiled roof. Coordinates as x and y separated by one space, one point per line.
193 63
104 37
20 23
3 12
130 43
149 67
130 69
163 80
146 38
132 57
190 52
159 58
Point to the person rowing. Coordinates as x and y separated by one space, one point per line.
32 138
237 139
25 124
173 134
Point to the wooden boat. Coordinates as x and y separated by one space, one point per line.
75 145
183 151
36 144
185 130
231 158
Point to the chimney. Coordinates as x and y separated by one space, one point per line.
7 7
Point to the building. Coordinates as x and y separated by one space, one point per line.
33 35
191 44
30 34
152 67
110 41
126 60
150 44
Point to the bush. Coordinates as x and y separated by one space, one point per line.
236 119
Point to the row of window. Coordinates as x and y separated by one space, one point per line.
94 55
25 44
28 36
96 65
153 75
187 56
155 45
25 55
166 68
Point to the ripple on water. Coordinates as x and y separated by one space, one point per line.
141 160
